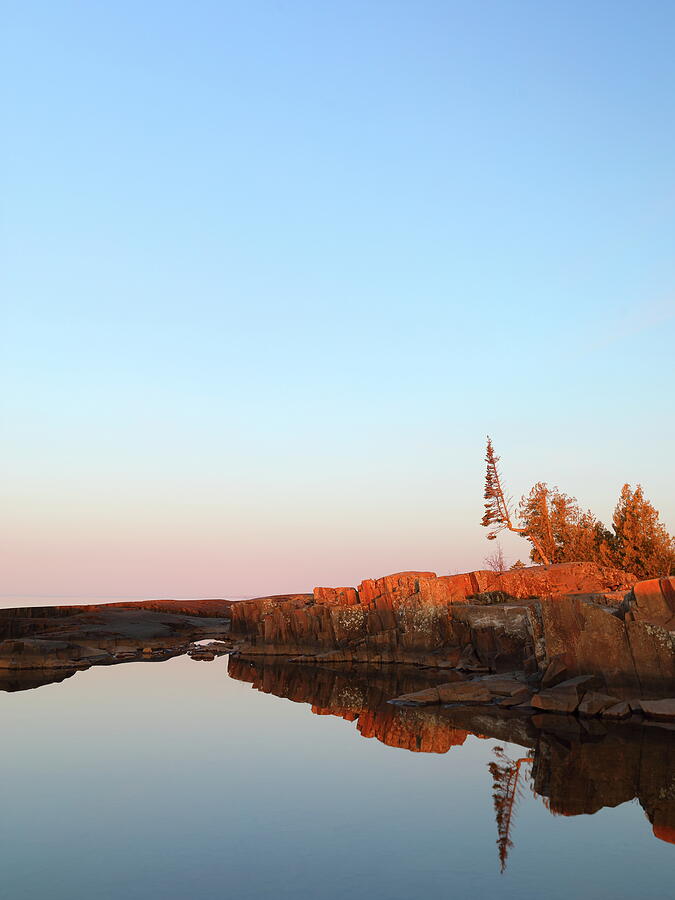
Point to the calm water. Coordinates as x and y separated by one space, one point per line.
175 779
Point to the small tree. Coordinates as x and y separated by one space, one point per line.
498 505
495 561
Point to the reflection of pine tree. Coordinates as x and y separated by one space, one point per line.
507 789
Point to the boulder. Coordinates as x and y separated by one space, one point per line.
502 687
556 671
428 697
344 596
659 709
579 685
218 647
521 696
553 700
652 601
594 703
465 692
620 710
565 696
387 592
450 692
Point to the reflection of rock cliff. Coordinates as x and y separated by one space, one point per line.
12 680
358 696
574 770
582 777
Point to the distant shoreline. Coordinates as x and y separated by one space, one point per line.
33 601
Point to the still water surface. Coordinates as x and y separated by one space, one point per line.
174 779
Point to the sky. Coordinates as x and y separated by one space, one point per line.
271 271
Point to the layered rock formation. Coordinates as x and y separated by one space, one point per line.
626 648
587 619
596 620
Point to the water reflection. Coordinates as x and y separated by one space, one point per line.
574 767
507 789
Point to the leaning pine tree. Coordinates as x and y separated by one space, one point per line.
497 514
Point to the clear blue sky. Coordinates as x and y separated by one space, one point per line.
272 270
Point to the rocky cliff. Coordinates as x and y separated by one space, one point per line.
592 619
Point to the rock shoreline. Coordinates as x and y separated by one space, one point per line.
576 638
544 624
592 620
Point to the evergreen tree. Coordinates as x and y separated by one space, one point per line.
560 531
535 514
497 515
641 543
563 530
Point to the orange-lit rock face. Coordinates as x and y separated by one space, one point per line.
653 601
564 578
387 592
344 596
247 615
637 657
536 581
418 617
